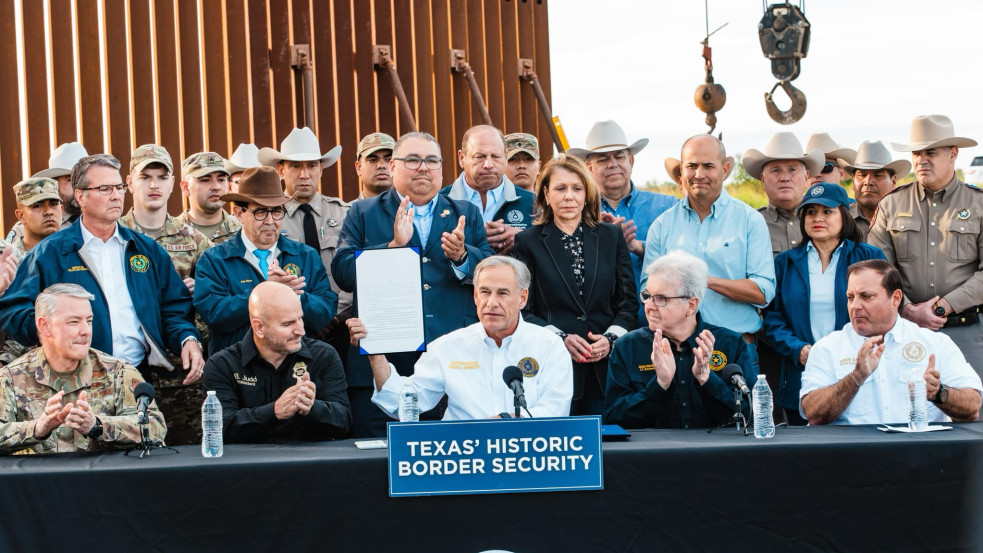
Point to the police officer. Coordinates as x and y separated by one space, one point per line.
874 176
930 230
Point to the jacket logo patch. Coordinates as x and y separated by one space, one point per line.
463 365
649 367
245 281
529 367
139 263
717 360
514 216
291 269
244 380
74 268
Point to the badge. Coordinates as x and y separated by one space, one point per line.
139 263
913 351
332 222
514 216
300 369
963 214
717 360
818 191
291 269
529 367
445 213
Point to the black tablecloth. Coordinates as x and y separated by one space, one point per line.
808 489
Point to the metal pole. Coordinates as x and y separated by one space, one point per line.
459 64
526 72
382 60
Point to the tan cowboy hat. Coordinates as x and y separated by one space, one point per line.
62 160
243 158
830 148
933 131
872 156
607 136
672 167
299 145
783 145
260 185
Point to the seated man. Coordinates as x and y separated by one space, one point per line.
65 396
840 387
467 364
668 375
277 385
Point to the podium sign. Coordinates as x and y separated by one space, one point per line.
495 456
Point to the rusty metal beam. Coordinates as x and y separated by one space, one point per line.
526 73
460 65
382 59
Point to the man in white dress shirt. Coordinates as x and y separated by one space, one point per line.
842 387
467 364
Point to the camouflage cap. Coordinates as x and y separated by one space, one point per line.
374 142
201 164
521 142
150 153
33 190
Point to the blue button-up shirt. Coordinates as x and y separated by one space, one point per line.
494 198
643 208
422 217
822 287
734 242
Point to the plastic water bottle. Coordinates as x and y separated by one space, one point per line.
409 404
762 406
211 426
918 417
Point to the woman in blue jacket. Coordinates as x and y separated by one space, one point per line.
810 282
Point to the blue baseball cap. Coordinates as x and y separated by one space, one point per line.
827 194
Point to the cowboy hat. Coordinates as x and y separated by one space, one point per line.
259 185
873 156
243 158
783 145
62 160
607 136
299 145
672 167
933 131
830 148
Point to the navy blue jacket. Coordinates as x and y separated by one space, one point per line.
786 320
160 298
448 302
517 209
634 398
224 280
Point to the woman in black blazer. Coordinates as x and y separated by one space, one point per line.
582 287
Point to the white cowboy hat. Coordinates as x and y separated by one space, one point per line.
872 156
62 160
299 145
830 148
607 136
783 145
672 167
243 158
933 131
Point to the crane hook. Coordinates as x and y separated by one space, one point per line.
793 113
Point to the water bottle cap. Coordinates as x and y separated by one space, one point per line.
760 376
211 392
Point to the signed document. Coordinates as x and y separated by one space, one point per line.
390 300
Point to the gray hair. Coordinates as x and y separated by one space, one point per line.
685 271
44 305
415 134
522 276
80 172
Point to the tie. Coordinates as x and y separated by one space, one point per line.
261 255
310 228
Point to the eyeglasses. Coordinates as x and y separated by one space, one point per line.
828 168
659 299
413 163
262 212
107 189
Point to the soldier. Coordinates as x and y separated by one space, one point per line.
874 176
243 158
204 180
59 169
930 230
831 171
522 153
151 181
39 211
66 396
372 165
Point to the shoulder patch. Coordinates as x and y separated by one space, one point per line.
973 187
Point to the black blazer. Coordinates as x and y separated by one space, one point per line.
610 297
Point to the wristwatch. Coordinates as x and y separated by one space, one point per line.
96 431
942 396
939 310
611 336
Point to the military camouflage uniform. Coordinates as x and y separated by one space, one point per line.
230 226
180 403
28 383
12 350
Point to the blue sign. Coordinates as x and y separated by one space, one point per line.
495 456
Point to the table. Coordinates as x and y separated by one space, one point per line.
808 489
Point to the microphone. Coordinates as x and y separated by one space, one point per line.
513 379
144 394
734 374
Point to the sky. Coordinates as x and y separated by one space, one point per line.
870 69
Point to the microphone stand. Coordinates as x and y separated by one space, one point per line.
737 418
517 403
146 444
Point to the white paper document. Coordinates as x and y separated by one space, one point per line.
905 429
390 300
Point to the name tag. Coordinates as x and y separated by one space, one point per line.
649 367
74 268
180 247
463 365
848 361
243 380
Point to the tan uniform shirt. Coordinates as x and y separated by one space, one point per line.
935 241
183 244
230 226
329 214
863 223
783 227
28 383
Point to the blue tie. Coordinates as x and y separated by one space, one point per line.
261 255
